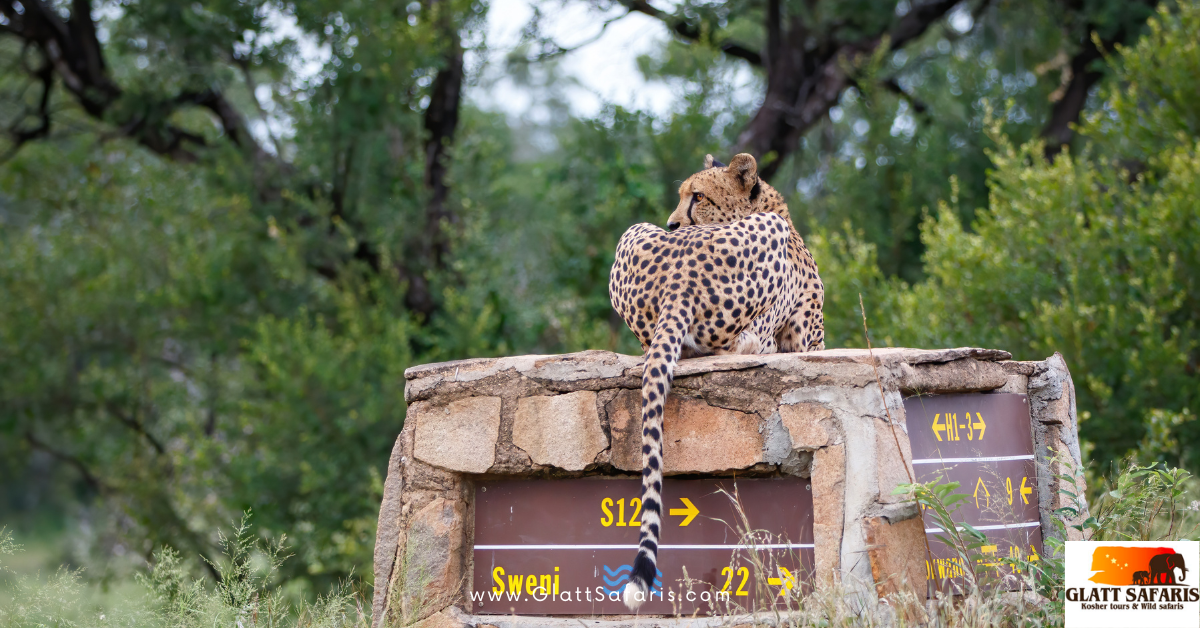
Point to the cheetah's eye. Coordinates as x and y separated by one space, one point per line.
699 196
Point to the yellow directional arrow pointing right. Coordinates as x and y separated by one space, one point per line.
977 425
786 583
688 513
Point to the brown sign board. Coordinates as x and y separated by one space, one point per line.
985 443
566 547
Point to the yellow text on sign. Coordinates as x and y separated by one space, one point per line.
607 520
533 584
948 424
981 491
1023 491
989 556
955 567
744 572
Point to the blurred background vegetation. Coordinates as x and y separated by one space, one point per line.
227 227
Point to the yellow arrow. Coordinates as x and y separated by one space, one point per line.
688 513
937 427
979 425
786 583
987 497
1025 490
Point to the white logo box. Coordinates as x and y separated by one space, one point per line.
1117 584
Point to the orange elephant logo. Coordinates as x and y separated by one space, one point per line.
1144 566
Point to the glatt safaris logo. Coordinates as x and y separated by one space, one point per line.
1113 584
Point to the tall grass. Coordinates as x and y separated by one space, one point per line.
168 594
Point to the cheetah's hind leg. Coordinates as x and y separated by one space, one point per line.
689 349
749 343
805 328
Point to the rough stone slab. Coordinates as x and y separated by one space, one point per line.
1020 368
808 424
1017 383
459 436
564 367
896 551
699 438
562 431
387 533
894 467
829 486
446 618
433 560
960 376
596 370
1056 443
593 368
789 362
858 413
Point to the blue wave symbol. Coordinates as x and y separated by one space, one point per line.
614 572
616 584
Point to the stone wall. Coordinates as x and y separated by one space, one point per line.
823 415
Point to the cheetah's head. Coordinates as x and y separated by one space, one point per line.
721 194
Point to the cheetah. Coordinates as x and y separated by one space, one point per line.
730 275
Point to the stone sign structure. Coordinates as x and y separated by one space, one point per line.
834 420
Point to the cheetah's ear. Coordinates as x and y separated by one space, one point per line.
709 162
744 169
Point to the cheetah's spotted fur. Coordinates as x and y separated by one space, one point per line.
733 276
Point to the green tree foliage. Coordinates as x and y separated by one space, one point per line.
197 319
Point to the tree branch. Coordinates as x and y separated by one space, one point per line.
88 477
135 425
76 56
799 97
1058 131
19 135
692 32
558 51
916 103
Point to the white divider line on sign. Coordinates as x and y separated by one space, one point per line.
1027 524
633 547
992 459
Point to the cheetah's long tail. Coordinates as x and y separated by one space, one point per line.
669 331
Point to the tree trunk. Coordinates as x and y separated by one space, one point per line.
441 122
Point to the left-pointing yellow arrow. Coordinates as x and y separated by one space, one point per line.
688 513
1025 490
